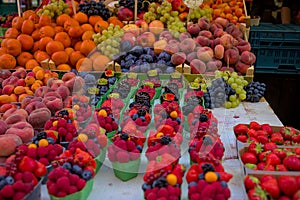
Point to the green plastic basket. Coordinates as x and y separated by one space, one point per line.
100 159
126 171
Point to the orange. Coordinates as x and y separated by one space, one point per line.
35 46
47 31
17 23
35 18
32 63
41 56
84 64
32 146
7 61
102 113
26 41
77 46
14 47
64 67
11 33
60 57
39 75
27 27
4 42
87 35
100 26
93 19
64 38
75 31
74 57
54 46
58 29
27 14
43 42
70 23
44 20
3 50
87 27
174 114
87 46
81 17
23 58
210 177
100 63
36 35
61 19
69 50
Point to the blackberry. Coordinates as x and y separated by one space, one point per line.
207 140
42 135
63 113
203 118
141 112
160 182
124 136
165 140
207 167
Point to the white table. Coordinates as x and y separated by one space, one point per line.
107 186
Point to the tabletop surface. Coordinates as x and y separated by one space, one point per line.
107 186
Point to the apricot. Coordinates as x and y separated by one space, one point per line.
19 90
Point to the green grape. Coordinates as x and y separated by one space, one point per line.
233 85
239 90
174 13
239 81
228 104
231 80
234 104
232 98
242 96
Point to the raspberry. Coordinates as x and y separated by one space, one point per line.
48 125
152 196
74 178
53 128
18 186
173 197
7 191
63 183
163 192
62 131
28 177
108 128
70 128
130 145
195 196
32 153
52 189
123 157
18 176
81 145
73 189
51 134
51 155
58 149
61 123
69 137
135 154
208 191
44 161
139 122
19 195
57 173
114 126
61 194
108 120
80 184
42 151
121 144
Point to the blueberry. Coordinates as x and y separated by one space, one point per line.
193 183
178 120
2 184
50 140
77 169
143 118
201 176
86 174
224 184
146 186
2 177
67 166
139 147
194 121
190 149
9 180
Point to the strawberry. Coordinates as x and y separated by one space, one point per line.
277 139
240 129
296 195
280 153
255 148
249 157
254 125
281 168
251 166
292 163
269 168
262 156
287 132
242 138
27 164
272 159
271 187
296 139
270 146
288 185
267 128
261 166
257 194
252 133
262 139
251 182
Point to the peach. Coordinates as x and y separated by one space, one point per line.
156 27
146 39
243 46
242 67
39 117
54 83
213 65
227 41
178 58
19 90
128 36
132 28
22 129
12 111
197 66
63 91
14 118
4 98
21 82
165 35
206 33
75 85
6 107
248 57
159 46
191 56
187 45
171 48
5 73
203 41
238 12
20 73
205 54
204 23
214 26
231 56
234 31
219 32
184 35
34 105
8 89
222 21
193 29
9 144
3 127
12 80
67 76
29 80
22 96
53 103
40 92
219 51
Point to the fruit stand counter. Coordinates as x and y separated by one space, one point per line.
107 186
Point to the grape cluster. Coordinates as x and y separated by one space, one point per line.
217 93
255 91
108 42
95 8
165 14
141 5
197 13
54 9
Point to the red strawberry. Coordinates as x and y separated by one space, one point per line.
240 129
261 166
262 156
123 157
271 187
298 180
277 139
296 139
267 128
270 146
296 195
272 159
256 194
242 138
255 148
254 125
292 163
251 182
280 153
288 185
281 168
269 168
266 178
249 157
262 139
287 132
252 133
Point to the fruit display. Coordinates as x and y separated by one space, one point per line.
54 9
115 104
106 120
268 157
277 187
264 133
95 9
255 91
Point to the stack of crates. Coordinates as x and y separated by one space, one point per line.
277 48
